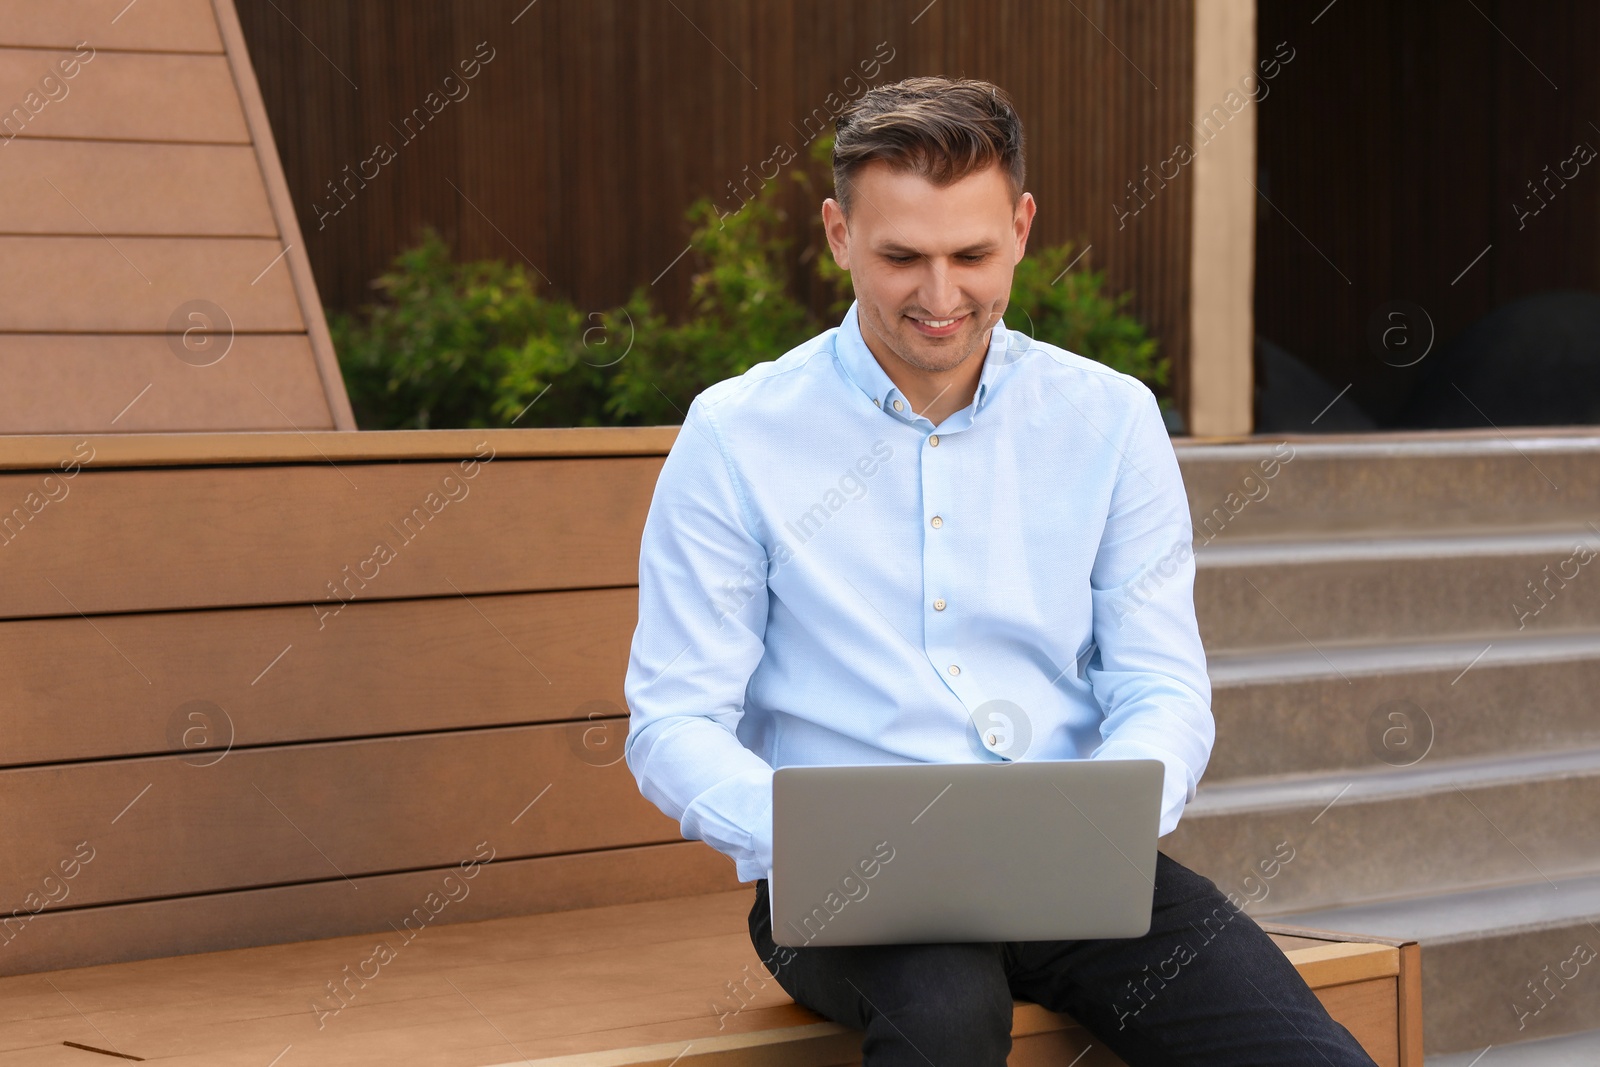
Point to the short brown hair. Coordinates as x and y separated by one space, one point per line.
941 129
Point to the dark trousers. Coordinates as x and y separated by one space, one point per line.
1205 986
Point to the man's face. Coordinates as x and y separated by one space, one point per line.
931 266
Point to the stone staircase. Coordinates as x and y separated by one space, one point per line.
1403 633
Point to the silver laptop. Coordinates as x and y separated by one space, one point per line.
1038 850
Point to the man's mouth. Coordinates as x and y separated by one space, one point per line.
937 327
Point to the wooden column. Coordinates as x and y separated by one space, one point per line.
1222 247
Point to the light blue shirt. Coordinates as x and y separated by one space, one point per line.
826 577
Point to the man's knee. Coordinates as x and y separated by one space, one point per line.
1177 884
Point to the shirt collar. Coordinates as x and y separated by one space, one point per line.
863 370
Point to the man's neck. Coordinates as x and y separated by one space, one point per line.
934 395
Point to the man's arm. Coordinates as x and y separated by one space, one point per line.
702 617
1149 672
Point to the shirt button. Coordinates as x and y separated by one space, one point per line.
899 406
954 670
993 740
934 440
936 522
876 402
938 605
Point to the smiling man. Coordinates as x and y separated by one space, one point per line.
859 550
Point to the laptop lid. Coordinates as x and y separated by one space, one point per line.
932 852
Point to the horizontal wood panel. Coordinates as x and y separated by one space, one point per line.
200 682
215 537
44 452
120 187
142 284
317 812
121 96
144 25
131 383
236 920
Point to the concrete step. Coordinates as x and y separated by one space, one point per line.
1369 707
1310 594
1436 827
1500 966
1573 1050
1390 482
1403 638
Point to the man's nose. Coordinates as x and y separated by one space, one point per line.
940 295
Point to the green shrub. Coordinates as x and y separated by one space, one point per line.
477 344
457 344
1071 309
741 312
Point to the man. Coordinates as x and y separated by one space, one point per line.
855 550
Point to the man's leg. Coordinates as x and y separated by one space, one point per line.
1206 986
920 1005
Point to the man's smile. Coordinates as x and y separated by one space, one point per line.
939 327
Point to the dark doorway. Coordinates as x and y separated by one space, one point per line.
1428 224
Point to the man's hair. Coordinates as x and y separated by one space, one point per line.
941 129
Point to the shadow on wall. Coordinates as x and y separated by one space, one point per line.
1532 362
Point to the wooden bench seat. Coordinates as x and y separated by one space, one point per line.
635 984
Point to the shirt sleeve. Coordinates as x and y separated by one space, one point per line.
1149 669
702 620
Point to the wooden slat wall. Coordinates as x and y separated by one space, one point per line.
579 145
142 182
192 707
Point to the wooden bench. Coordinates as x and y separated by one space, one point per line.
239 740
667 982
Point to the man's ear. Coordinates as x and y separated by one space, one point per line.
837 231
1022 222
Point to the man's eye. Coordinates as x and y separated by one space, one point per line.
900 259
975 257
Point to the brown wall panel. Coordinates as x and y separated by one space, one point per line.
122 96
145 25
597 122
59 938
138 284
202 681
163 826
113 187
217 537
127 383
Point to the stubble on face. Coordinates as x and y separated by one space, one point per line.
932 354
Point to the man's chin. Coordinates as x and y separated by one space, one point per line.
938 353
